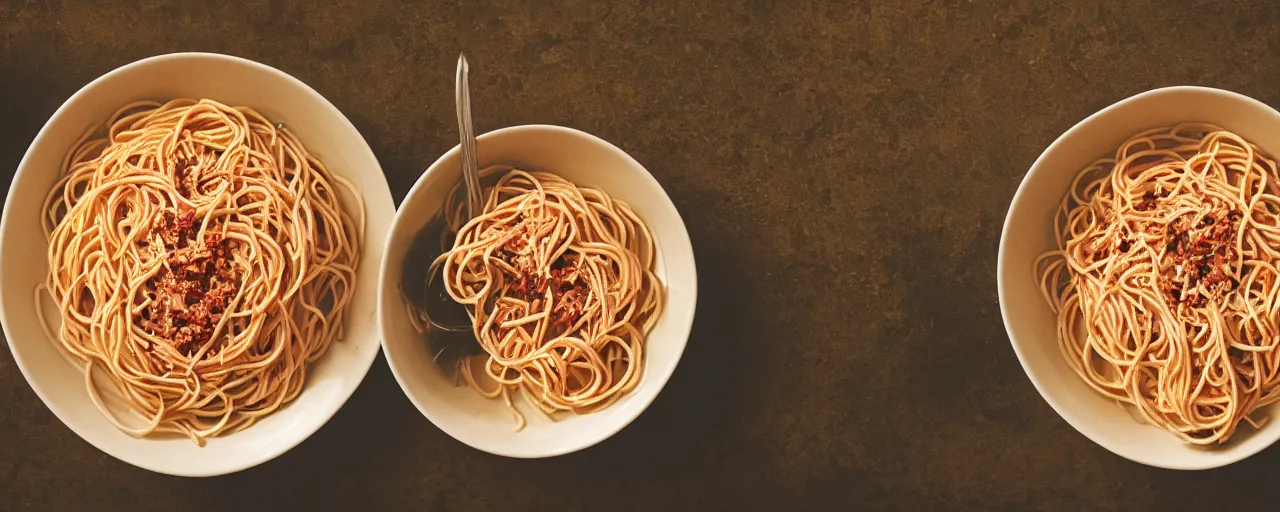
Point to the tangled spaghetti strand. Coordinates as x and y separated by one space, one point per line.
1165 280
559 283
200 259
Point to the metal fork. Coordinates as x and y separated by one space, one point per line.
470 166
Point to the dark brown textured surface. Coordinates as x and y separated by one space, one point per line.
843 170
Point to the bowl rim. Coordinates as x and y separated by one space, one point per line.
658 380
323 415
1076 421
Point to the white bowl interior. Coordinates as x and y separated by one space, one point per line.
24 264
1028 232
487 424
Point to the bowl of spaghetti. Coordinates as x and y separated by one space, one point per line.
575 282
1138 277
188 256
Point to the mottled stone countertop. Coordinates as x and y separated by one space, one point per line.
844 172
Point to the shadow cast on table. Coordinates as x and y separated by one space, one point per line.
360 443
1248 482
698 405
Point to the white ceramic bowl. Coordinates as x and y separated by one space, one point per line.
487 424
1028 232
23 263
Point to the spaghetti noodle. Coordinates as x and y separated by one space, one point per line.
200 260
1165 280
559 284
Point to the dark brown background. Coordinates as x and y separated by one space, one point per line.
844 172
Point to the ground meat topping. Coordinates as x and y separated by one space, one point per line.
1199 251
567 286
191 293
